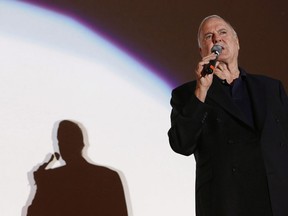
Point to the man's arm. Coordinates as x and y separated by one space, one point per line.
187 119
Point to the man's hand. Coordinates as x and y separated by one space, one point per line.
203 81
223 72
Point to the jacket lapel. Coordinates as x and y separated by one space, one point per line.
216 95
257 92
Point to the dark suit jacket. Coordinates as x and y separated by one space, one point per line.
239 167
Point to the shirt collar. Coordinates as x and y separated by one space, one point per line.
242 75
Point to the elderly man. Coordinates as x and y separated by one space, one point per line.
236 125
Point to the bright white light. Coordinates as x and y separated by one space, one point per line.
53 68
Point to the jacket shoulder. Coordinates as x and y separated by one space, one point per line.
184 90
264 79
185 86
181 94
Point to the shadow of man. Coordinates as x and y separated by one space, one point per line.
78 188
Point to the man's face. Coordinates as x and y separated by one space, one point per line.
217 31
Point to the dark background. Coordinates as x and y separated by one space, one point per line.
162 34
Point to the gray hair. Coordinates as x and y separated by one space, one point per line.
211 17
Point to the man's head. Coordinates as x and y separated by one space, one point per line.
70 140
215 30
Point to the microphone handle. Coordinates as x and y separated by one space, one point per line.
209 68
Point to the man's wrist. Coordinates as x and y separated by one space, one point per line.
201 94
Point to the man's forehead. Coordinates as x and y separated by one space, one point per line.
215 22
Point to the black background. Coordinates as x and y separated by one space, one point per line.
162 34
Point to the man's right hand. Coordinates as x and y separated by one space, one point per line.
203 81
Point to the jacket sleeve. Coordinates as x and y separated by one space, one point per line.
188 117
283 95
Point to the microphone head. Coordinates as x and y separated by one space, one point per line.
217 49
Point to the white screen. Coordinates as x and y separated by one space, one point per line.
52 68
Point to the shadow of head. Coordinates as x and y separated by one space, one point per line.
70 141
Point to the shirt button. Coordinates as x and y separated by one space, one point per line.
204 117
230 142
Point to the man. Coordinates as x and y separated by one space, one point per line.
236 125
78 188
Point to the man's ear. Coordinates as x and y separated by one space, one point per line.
238 43
200 51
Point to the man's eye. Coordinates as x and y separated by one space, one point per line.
207 37
223 32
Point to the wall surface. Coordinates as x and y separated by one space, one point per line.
111 65
53 68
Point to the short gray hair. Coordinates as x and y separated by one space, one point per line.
211 17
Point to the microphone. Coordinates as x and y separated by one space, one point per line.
209 68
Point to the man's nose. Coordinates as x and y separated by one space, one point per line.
216 38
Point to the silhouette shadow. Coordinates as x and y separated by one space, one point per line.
79 187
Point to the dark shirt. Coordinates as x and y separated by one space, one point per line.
238 92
